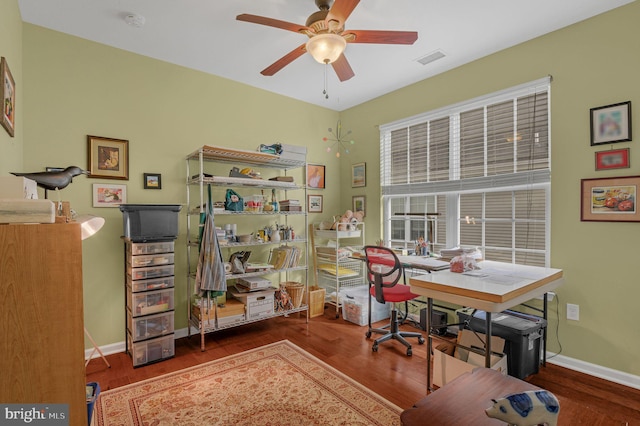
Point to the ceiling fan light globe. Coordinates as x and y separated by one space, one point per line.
326 48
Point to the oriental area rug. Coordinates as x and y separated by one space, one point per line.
276 384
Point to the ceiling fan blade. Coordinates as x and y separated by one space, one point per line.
342 68
341 10
284 61
381 37
270 22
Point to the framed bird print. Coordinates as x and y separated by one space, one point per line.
8 97
108 158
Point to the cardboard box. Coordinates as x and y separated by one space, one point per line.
231 307
314 299
447 367
230 320
18 187
258 303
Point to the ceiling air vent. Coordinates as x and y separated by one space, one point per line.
430 57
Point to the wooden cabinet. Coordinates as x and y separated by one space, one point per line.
41 319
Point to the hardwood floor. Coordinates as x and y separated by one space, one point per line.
584 399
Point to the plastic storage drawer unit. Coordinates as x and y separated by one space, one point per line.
151 260
152 284
150 248
151 350
150 326
150 302
522 334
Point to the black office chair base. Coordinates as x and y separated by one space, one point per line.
394 334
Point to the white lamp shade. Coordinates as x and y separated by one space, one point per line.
326 48
89 225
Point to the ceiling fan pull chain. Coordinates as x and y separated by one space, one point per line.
325 92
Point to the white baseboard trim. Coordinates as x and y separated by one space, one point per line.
605 373
118 347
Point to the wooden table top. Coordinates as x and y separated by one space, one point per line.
463 401
494 287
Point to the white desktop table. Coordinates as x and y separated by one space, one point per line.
495 287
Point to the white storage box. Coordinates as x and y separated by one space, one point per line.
258 303
293 152
254 283
447 367
355 307
18 187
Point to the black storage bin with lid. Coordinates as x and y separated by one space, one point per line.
522 334
150 222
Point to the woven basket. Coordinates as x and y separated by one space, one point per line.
295 291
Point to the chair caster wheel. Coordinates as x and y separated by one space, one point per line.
374 348
421 340
368 334
409 352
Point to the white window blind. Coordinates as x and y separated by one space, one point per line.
474 174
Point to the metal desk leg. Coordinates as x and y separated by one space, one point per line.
487 355
429 358
544 330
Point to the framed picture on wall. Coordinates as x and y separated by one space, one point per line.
105 195
359 204
152 181
611 123
315 176
610 199
314 204
108 158
358 175
613 159
8 97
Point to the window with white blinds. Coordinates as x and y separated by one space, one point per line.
472 174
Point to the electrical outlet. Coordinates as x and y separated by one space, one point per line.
573 312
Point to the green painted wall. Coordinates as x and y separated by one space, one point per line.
11 49
593 63
74 88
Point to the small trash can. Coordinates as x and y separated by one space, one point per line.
93 391
522 334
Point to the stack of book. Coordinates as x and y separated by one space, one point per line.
290 206
285 257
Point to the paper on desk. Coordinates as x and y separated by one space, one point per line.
424 262
494 276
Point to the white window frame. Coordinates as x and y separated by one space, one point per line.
454 187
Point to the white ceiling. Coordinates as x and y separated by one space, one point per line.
204 35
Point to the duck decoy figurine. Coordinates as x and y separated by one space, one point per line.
54 180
